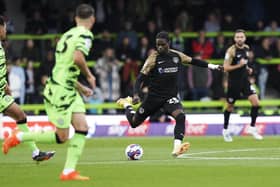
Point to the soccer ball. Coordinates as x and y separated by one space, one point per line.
134 152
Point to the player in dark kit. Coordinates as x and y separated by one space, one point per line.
235 64
161 69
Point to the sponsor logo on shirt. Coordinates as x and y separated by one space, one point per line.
168 70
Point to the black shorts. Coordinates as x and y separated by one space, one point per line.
152 104
238 90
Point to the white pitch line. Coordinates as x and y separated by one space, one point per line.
232 158
227 151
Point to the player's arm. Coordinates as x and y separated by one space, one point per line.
143 76
83 89
228 60
7 90
80 61
185 59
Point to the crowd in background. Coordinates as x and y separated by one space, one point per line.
120 58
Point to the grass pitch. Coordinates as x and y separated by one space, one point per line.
210 162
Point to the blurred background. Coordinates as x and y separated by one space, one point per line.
125 35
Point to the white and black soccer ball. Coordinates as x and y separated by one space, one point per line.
134 152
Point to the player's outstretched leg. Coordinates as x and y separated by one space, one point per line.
254 132
75 149
17 137
226 132
37 155
42 156
179 131
180 148
252 129
10 142
124 102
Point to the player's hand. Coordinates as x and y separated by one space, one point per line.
86 91
216 67
250 71
7 90
135 99
92 81
220 68
243 62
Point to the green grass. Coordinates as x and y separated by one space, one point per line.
209 163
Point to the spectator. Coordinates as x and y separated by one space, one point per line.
183 21
96 98
16 79
229 24
177 41
202 46
275 71
125 50
36 25
40 89
30 83
9 49
102 43
273 27
199 80
129 73
212 24
151 32
30 51
107 69
264 51
128 32
143 49
48 64
218 90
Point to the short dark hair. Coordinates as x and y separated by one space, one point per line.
239 30
84 11
2 20
163 35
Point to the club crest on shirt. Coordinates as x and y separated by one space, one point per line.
60 121
175 59
141 110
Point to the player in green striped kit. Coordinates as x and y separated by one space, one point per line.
63 102
8 105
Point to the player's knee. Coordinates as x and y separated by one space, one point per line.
21 118
82 132
61 138
230 108
22 121
256 103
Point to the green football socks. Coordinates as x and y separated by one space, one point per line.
44 137
23 127
75 149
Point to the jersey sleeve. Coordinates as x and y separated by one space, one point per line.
185 59
149 63
229 55
84 43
